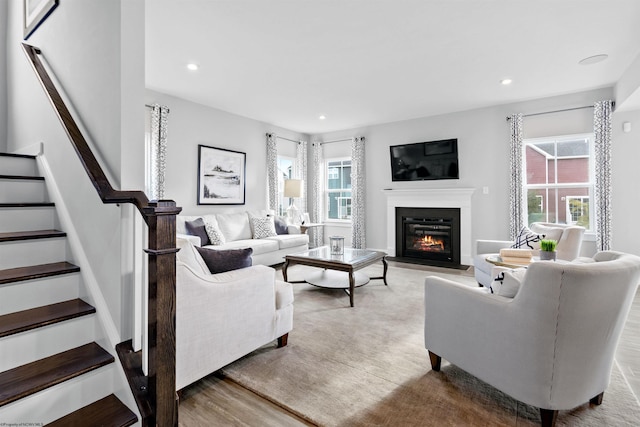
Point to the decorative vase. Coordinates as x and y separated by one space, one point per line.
547 255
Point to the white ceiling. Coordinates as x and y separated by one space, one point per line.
359 62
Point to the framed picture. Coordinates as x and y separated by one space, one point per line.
35 12
221 176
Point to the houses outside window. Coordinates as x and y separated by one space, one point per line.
559 181
338 190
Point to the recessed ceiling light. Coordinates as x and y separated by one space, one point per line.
593 59
506 81
322 117
192 66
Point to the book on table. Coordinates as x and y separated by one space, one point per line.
516 256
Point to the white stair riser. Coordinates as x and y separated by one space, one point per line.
50 404
22 191
26 347
34 293
22 253
18 166
27 219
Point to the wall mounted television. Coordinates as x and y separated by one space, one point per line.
425 160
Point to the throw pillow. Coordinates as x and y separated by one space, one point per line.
220 261
215 235
511 282
197 228
527 239
281 225
263 227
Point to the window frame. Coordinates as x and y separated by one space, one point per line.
589 184
326 191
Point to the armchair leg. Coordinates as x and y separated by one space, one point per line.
548 417
436 361
282 341
597 400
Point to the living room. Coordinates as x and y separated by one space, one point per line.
111 112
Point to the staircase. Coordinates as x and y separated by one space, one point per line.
52 370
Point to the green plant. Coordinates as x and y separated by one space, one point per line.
548 245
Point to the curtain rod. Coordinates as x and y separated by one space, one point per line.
151 106
286 139
336 140
556 111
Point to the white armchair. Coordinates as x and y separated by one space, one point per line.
552 345
569 239
222 317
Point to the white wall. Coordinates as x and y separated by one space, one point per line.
96 59
3 76
483 144
189 125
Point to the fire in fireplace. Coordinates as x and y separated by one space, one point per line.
428 235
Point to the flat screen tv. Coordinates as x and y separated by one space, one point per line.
425 160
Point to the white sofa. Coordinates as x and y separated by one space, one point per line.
552 345
238 234
222 317
569 239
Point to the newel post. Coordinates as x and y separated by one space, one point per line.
161 219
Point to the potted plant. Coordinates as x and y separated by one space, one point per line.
548 249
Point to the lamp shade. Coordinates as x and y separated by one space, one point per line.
293 188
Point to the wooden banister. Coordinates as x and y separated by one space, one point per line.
160 217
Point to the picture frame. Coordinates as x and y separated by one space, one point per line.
35 13
221 176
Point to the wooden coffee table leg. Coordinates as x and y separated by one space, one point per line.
384 272
284 270
352 282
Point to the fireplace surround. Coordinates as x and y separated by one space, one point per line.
432 198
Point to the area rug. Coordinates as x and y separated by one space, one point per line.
367 366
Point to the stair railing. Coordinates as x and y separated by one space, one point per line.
160 217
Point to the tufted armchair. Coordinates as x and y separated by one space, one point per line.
552 345
569 239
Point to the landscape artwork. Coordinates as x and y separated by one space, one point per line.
221 176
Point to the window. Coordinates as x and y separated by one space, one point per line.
285 171
338 189
559 179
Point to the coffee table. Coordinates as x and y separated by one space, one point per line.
335 266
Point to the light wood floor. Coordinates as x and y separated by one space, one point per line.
218 401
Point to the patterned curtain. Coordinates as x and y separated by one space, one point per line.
158 153
516 198
272 172
602 157
358 191
317 236
300 171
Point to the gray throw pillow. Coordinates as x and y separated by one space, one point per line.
281 225
197 228
223 260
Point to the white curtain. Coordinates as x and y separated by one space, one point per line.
358 191
272 172
158 151
317 236
602 158
300 171
516 198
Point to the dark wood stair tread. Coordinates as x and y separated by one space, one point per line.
23 177
29 235
26 205
33 377
109 411
36 271
26 320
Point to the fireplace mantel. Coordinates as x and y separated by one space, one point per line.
432 198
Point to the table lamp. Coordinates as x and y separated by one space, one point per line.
293 189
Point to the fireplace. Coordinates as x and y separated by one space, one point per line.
428 236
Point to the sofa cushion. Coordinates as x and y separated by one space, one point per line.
290 240
284 294
234 226
259 246
527 239
263 227
552 233
213 231
219 261
197 228
190 257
